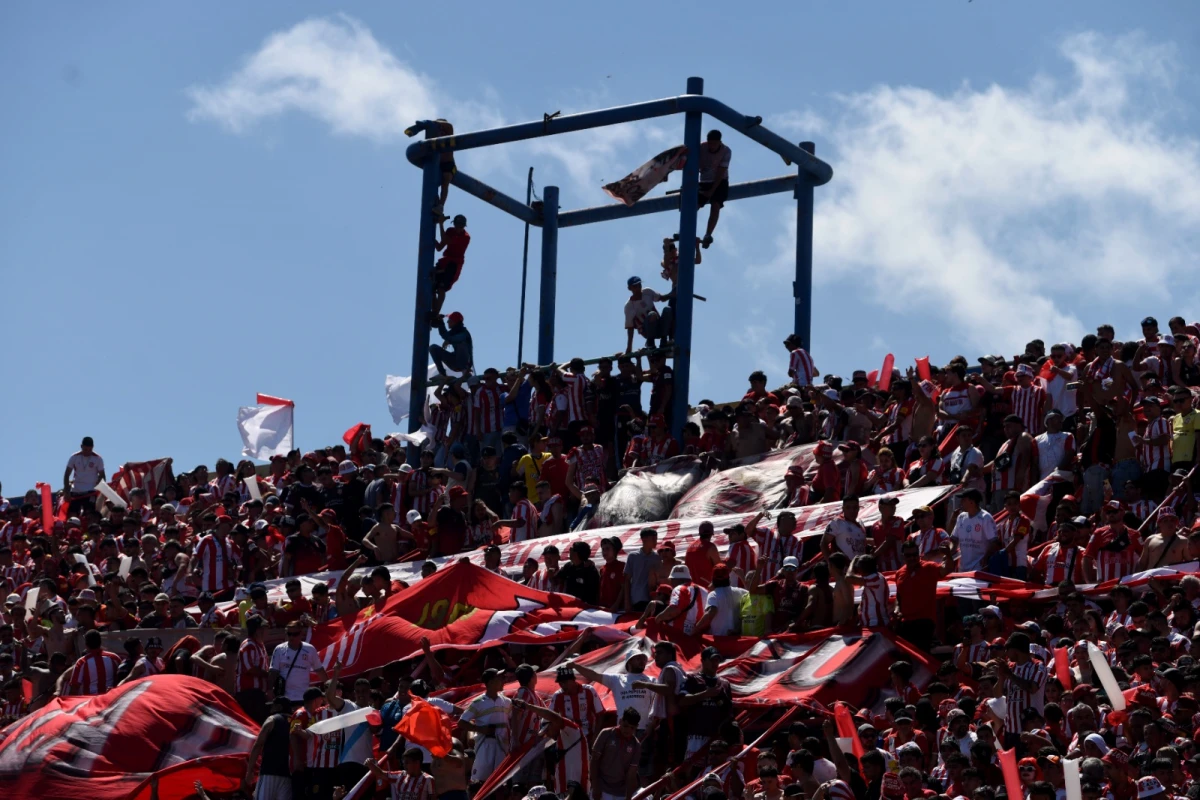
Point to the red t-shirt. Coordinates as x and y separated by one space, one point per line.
335 547
612 580
456 242
698 563
554 470
828 481
916 590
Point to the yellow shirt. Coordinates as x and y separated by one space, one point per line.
1183 436
531 471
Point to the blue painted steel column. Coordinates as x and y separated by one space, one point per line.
802 286
689 197
549 274
431 183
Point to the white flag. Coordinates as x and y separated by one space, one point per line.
267 429
399 392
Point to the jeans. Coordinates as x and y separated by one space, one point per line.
1127 470
445 359
1093 489
657 326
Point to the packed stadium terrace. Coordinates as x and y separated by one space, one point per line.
1032 631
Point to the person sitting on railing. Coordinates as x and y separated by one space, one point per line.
458 354
641 315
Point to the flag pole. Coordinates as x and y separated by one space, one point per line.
524 273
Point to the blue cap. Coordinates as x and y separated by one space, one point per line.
634 281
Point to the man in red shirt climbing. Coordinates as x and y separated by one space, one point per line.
449 266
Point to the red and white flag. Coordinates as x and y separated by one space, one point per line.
266 429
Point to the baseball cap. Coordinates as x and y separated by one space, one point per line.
791 562
634 280
710 653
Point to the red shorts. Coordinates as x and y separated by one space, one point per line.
445 274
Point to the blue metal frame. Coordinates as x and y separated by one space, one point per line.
810 173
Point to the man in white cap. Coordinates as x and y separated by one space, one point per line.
686 606
623 685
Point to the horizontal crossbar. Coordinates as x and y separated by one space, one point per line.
670 202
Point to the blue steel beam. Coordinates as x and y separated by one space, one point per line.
802 286
431 182
738 191
752 127
500 200
549 283
689 200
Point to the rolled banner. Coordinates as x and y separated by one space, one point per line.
1062 668
923 371
885 373
1107 680
1071 779
111 495
47 509
252 487
847 729
340 722
1012 778
80 558
126 565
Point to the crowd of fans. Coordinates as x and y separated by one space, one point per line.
531 452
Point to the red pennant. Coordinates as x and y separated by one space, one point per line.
885 372
923 371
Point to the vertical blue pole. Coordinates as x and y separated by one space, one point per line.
549 286
802 286
524 274
431 183
689 198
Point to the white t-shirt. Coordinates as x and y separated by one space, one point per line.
637 310
484 710
86 471
436 702
625 696
356 741
1060 397
851 539
974 534
727 600
710 161
961 459
297 677
1050 450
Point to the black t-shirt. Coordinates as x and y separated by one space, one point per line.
664 378
629 392
580 580
711 712
606 389
488 489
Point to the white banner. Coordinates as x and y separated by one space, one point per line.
266 430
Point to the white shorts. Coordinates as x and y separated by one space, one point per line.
488 755
273 787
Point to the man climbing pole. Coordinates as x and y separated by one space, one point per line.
456 351
434 128
641 316
449 266
714 180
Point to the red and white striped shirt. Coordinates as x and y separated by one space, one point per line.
742 556
488 416
11 529
799 496
576 398
801 367
1020 699
1142 509
403 786
225 483
526 512
1015 527
1157 456
934 468
1005 479
251 654
889 480
1059 564
582 706
323 750
777 550
589 465
976 652
94 673
525 723
1113 565
543 581
1029 403
900 416
660 450
689 599
873 608
929 540
218 563
14 575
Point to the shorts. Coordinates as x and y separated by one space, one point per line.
273 787
449 166
718 197
445 274
488 755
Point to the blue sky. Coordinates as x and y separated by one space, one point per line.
203 202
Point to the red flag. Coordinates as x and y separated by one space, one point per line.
427 726
846 728
885 372
47 509
923 371
872 378
270 400
948 444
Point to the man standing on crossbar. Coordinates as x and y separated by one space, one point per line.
714 180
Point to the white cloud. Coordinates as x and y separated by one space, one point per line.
335 70
1013 211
